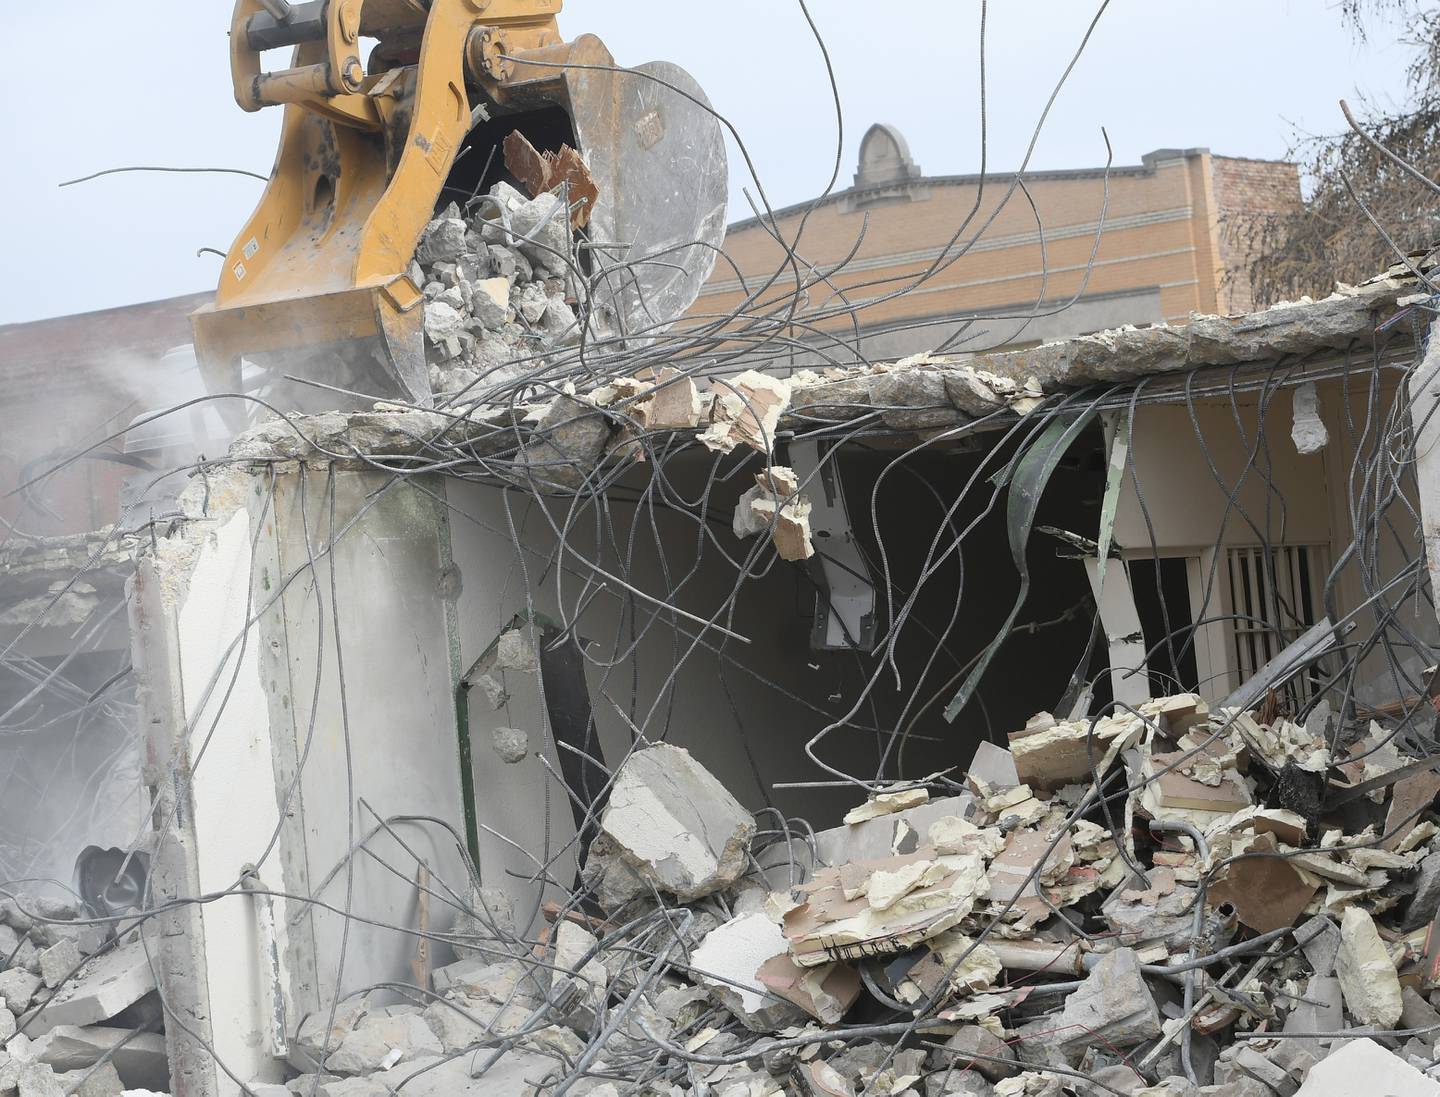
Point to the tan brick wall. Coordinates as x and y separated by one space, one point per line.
1160 231
1247 191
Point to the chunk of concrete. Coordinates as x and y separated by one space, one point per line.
994 765
1247 1062
18 987
103 1081
873 839
444 241
108 983
1307 429
1426 900
1113 1006
442 321
490 302
314 1041
462 1022
1240 1087
975 393
517 1072
972 1041
728 963
487 930
1367 975
958 1083
140 1060
1364 1067
512 745
1322 943
352 1087
503 981
570 440
914 399
380 1042
34 1079
675 825
1322 1011
59 961
579 981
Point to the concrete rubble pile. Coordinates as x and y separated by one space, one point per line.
1175 901
81 1013
498 288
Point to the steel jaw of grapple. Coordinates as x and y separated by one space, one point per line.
316 289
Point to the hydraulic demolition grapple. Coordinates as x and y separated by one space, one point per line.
317 284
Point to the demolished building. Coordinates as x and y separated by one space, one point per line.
647 718
549 741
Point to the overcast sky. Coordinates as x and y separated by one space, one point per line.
153 87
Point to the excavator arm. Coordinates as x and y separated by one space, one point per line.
316 286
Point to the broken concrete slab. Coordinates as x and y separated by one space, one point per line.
728 964
957 1083
1051 754
1247 1062
570 440
377 1043
831 926
1364 1067
914 399
1426 901
1322 1010
979 1049
59 961
826 992
108 983
17 988
1321 937
994 765
746 411
675 825
1367 974
33 1079
141 1058
1113 1006
104 1081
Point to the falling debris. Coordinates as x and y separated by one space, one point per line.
746 410
542 172
1308 432
776 504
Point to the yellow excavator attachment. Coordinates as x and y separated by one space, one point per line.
316 287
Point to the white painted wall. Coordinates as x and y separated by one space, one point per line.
234 789
1305 502
394 742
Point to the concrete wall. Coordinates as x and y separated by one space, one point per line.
1281 496
280 774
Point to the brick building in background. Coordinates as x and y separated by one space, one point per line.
1170 243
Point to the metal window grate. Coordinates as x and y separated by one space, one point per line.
1275 594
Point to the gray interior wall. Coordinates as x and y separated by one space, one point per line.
385 746
747 705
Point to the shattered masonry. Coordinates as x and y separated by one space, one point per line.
489 748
